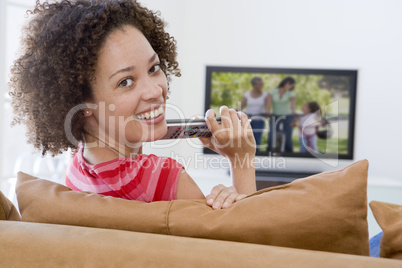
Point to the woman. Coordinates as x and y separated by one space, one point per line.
100 69
255 102
283 103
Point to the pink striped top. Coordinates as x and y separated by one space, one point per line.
146 178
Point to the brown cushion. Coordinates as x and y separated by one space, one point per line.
7 209
324 212
389 217
25 244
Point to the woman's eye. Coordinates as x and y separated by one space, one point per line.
128 82
154 68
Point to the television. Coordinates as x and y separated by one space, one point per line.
297 113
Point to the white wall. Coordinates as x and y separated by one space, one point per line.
359 34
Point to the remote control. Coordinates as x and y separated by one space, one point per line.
187 128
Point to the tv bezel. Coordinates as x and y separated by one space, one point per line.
352 104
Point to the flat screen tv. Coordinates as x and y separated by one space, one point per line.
295 112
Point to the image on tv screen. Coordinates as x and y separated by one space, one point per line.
294 112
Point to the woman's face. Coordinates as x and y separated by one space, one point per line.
130 90
258 85
289 86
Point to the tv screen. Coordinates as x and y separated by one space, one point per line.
295 112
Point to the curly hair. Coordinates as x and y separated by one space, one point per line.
60 49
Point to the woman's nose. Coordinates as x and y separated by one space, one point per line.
151 90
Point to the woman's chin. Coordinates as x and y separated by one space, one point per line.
145 132
157 134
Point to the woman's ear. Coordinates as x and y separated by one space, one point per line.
87 112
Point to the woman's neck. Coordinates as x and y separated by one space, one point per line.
98 150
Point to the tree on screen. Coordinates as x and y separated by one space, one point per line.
228 88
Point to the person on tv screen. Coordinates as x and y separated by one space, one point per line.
283 102
308 125
254 102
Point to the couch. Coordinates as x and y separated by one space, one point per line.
320 222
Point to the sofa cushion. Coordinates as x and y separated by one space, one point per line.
8 210
324 212
389 217
25 244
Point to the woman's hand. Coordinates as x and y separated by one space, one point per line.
223 197
233 137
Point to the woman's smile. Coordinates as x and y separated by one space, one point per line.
152 116
150 113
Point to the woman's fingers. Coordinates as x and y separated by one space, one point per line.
244 120
222 197
233 136
240 197
214 193
246 127
230 124
235 121
212 124
230 199
225 117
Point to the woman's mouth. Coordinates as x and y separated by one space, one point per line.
152 117
151 114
